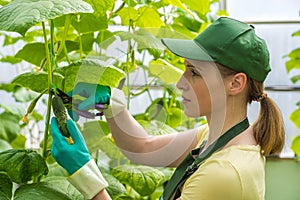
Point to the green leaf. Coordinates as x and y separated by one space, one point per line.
10 59
19 142
178 4
292 64
295 146
295 79
37 82
101 6
128 14
165 71
175 117
15 109
8 87
295 118
92 71
96 137
115 188
145 41
40 191
24 95
4 145
9 126
148 17
55 170
294 54
20 15
297 33
22 164
5 186
142 179
87 42
191 24
202 7
88 23
33 53
105 38
62 185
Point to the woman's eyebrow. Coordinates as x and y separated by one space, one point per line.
188 64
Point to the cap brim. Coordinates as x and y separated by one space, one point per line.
187 49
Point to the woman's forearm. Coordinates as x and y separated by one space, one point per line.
102 195
139 147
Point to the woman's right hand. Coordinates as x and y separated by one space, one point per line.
94 94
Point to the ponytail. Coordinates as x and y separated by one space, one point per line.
268 128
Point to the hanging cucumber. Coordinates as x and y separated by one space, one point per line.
60 113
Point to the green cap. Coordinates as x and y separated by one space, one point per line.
229 42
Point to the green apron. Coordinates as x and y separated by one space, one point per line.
190 164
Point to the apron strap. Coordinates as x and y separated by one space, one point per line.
190 165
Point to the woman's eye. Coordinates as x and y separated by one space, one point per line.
194 73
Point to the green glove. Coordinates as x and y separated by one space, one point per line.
75 158
94 94
70 156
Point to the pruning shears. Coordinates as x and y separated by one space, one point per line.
72 104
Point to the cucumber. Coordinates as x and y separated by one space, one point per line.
60 113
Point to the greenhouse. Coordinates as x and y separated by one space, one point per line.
150 100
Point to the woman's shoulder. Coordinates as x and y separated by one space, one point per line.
202 132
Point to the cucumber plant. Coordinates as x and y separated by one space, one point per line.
69 41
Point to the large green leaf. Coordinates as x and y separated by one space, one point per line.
5 186
20 15
165 71
115 188
142 179
40 191
37 81
22 164
96 137
91 71
9 126
62 185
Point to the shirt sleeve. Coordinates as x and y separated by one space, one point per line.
214 180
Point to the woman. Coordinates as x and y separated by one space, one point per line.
225 68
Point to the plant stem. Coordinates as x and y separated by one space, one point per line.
47 123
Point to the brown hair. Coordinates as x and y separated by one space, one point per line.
269 127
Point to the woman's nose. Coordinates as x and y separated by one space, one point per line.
182 83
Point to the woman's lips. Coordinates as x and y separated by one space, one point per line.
185 100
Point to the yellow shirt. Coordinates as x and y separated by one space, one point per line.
234 173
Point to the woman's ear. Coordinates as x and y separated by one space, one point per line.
237 83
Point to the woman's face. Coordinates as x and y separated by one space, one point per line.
202 88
